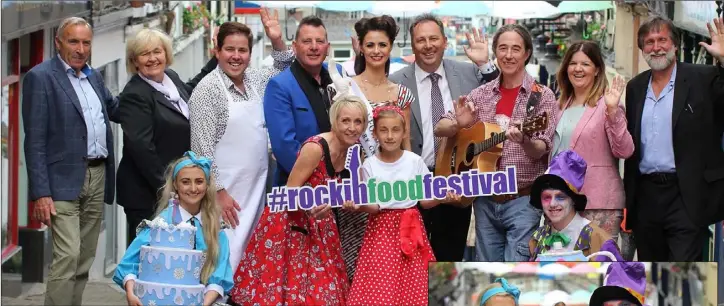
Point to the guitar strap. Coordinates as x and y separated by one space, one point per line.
533 99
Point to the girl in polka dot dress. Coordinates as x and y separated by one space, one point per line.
392 264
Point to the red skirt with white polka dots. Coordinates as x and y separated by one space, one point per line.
392 264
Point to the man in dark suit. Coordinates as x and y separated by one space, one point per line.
66 109
675 179
296 102
447 225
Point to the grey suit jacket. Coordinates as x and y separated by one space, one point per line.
55 133
462 78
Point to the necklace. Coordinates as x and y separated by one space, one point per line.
386 82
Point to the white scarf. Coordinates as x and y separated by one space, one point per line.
168 89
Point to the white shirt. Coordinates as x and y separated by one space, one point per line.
406 168
573 230
186 216
424 93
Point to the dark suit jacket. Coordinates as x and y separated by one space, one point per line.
698 124
293 113
56 148
155 134
462 78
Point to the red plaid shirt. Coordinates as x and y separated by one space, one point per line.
486 98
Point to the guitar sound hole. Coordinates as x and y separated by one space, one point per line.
469 154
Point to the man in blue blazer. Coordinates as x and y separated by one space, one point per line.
69 150
296 102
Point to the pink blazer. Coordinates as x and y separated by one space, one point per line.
602 140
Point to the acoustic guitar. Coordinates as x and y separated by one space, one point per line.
479 147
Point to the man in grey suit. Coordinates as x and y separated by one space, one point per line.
437 83
66 109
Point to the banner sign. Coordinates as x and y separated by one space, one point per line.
693 15
428 187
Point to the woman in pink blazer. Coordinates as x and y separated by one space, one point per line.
593 124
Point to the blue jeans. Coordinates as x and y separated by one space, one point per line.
502 231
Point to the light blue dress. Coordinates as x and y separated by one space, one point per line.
220 281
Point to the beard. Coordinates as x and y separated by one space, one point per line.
658 64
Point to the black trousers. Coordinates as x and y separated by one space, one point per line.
447 229
663 230
134 218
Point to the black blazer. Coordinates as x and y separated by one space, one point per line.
698 126
155 133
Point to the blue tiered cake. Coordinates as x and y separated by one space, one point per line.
170 268
557 254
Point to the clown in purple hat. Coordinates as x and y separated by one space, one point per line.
624 284
558 193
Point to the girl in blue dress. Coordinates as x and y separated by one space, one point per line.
186 195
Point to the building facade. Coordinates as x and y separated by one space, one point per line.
28 32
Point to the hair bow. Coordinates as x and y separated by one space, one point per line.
342 86
505 288
202 162
376 112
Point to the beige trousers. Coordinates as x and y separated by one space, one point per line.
75 231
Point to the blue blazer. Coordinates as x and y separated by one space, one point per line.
291 118
55 133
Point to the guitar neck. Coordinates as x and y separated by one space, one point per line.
486 144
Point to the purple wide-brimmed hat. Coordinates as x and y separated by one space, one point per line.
565 172
625 281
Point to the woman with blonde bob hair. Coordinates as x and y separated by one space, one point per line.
592 123
300 250
188 196
154 117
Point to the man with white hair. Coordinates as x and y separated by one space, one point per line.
66 109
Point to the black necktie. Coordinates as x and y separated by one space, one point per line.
193 222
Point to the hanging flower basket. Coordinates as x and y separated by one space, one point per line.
194 16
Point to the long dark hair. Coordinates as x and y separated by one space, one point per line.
384 23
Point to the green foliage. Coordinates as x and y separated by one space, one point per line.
194 17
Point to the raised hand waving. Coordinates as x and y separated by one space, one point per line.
477 48
272 28
716 32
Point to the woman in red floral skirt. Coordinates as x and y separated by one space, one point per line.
392 265
294 257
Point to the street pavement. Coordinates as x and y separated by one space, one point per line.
97 292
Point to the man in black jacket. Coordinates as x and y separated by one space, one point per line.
675 180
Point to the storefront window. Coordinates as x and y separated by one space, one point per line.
5 166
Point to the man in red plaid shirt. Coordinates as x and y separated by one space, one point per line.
505 223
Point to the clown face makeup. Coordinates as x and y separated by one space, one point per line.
557 206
